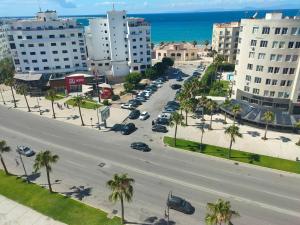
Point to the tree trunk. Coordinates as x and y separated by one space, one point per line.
13 95
52 103
175 135
266 129
27 103
48 178
4 166
122 210
82 123
201 141
186 114
225 117
234 119
229 151
2 97
210 125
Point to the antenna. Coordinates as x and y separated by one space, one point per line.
113 6
39 4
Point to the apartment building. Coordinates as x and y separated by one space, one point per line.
47 44
268 65
4 48
225 40
118 45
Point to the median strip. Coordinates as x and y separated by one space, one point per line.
236 155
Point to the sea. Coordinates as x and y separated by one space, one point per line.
193 26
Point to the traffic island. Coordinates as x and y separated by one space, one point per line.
53 205
236 155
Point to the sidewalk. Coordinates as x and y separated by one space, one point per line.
13 213
69 115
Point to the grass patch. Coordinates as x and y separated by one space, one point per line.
88 104
239 156
54 205
57 97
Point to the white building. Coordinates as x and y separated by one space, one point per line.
118 45
268 65
47 44
225 40
4 48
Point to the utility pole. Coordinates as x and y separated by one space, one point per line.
97 83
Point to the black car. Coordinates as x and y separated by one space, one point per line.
175 86
134 114
173 104
117 127
179 204
140 146
159 128
162 121
128 128
135 102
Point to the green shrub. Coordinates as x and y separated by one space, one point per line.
106 102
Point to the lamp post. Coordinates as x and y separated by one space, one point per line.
167 210
98 119
38 103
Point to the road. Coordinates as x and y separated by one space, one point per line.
261 196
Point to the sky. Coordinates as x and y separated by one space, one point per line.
92 7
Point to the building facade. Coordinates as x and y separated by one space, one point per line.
177 51
118 45
4 48
267 65
225 40
47 44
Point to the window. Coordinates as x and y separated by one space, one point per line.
64 51
268 81
44 60
248 77
263 44
285 70
281 44
73 42
255 91
282 83
266 93
51 36
66 59
246 88
28 37
295 58
30 45
62 36
292 71
277 30
19 37
257 80
250 66
280 94
288 58
272 57
43 53
272 93
41 45
284 30
251 55
279 58
291 44
254 30
294 31
57 67
39 36
23 53
36 69
289 83
286 94
259 68
21 45
275 44
261 55
276 69
67 66
46 68
266 30
32 53
53 44
297 45
274 82
63 44
56 60
253 43
55 52
270 69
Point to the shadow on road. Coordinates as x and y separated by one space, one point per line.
153 220
79 192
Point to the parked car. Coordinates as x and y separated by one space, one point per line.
128 128
173 104
179 204
175 86
162 121
169 110
179 78
159 85
26 151
134 114
140 146
134 102
144 115
141 98
117 127
165 115
127 106
159 128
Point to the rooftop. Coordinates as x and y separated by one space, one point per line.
177 46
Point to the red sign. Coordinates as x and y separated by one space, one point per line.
74 80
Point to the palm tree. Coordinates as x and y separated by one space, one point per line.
176 119
211 106
45 159
236 109
219 213
4 148
9 81
79 100
233 132
225 105
181 97
268 117
218 61
206 43
23 90
122 189
195 43
187 106
2 97
51 94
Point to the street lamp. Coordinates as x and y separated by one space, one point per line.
167 210
37 99
98 119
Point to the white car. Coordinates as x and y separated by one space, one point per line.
144 115
127 106
165 115
159 85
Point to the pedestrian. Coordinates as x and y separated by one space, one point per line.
17 162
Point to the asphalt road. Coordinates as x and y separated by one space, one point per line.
261 196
